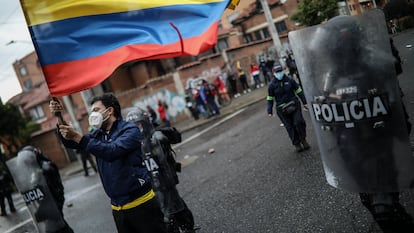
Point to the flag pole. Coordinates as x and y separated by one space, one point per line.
59 114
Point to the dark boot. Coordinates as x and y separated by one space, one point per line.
305 144
298 148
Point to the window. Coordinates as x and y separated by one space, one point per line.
28 84
281 26
266 33
23 71
222 44
37 113
248 38
258 35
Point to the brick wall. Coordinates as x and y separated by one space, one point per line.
50 145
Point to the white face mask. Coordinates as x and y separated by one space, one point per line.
96 119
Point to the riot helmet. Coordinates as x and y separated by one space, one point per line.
345 39
28 156
141 118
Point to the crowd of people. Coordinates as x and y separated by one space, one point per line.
205 98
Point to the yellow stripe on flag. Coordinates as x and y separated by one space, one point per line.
44 11
233 4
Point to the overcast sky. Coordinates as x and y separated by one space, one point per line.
12 27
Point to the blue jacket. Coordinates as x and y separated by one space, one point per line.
283 92
119 160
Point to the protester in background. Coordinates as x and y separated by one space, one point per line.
232 77
269 67
207 94
265 71
6 190
293 70
153 114
117 147
221 89
199 102
255 73
243 81
190 105
393 27
85 157
162 111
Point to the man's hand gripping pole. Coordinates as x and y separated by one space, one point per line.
58 114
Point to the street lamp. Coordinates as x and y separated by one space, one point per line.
274 33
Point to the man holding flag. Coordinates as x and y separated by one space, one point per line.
116 145
98 37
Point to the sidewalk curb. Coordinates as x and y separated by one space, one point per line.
225 111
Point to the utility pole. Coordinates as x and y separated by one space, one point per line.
273 31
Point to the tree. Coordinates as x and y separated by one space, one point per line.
15 130
313 12
396 9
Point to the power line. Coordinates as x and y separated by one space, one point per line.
10 15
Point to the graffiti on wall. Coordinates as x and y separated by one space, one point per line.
210 73
207 75
175 102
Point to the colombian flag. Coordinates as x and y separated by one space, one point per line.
81 42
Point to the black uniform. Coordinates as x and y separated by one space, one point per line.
285 93
6 190
162 167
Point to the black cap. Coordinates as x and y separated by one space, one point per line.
277 68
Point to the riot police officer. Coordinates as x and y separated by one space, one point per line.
348 70
162 166
285 91
38 179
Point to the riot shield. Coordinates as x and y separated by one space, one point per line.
32 185
347 71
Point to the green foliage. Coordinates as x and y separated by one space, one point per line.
396 9
313 12
14 128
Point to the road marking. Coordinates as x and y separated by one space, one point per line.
82 192
209 128
18 225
